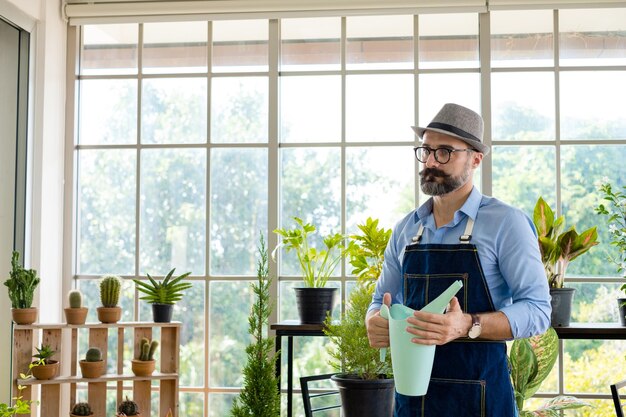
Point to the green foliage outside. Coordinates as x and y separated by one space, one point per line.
260 396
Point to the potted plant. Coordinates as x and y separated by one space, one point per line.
314 300
558 249
75 313
44 367
163 294
93 364
81 409
110 287
20 406
144 364
531 361
615 212
22 284
365 382
260 396
127 408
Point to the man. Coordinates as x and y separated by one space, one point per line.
492 247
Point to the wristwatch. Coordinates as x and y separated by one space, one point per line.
476 328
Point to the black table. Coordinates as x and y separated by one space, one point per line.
600 331
291 328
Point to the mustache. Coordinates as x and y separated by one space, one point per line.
432 172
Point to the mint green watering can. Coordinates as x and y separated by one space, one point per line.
412 364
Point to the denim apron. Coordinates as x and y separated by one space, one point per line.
470 378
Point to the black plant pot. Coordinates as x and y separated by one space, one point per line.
314 303
162 313
365 398
621 308
561 306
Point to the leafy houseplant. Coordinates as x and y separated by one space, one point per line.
93 364
558 249
110 288
21 285
260 396
75 313
163 294
531 361
317 266
360 364
19 406
144 364
44 367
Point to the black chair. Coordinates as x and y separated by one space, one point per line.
309 393
619 408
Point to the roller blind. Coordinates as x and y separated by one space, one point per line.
100 11
552 4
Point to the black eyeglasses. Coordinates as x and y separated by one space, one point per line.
442 155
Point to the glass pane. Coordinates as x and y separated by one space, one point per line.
518 181
379 184
592 105
240 45
109 49
582 168
106 212
107 112
310 188
310 109
230 304
310 44
220 404
191 403
288 309
595 302
592 36
379 107
522 38
448 40
523 106
174 47
435 90
173 196
377 42
173 110
238 209
191 312
239 110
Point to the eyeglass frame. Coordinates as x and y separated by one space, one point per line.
435 150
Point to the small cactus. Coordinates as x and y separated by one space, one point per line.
147 349
75 298
81 409
110 288
93 355
128 408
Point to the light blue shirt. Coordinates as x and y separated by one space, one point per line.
508 251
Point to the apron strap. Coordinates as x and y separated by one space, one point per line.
467 235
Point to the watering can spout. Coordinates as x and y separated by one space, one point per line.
439 304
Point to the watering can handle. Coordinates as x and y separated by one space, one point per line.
384 313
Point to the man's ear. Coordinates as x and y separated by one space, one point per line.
477 158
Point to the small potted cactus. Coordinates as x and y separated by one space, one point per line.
21 285
75 313
127 408
81 409
93 364
44 367
144 364
110 287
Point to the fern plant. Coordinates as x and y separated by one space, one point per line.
168 291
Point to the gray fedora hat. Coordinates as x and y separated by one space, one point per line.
460 122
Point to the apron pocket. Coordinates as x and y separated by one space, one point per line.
423 288
455 397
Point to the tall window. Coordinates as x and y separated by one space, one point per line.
193 138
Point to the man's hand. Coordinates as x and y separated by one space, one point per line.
439 329
378 327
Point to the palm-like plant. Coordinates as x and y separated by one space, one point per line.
168 291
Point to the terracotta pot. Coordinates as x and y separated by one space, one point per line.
48 371
143 368
24 315
76 315
109 314
91 369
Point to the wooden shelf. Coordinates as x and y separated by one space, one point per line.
63 338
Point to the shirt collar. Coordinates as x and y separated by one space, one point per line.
469 208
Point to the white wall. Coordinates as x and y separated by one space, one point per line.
44 238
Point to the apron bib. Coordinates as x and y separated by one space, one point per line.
470 378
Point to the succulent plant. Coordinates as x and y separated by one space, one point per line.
93 354
21 284
168 291
75 299
147 349
82 409
44 353
128 407
110 288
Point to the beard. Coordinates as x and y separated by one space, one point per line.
430 184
